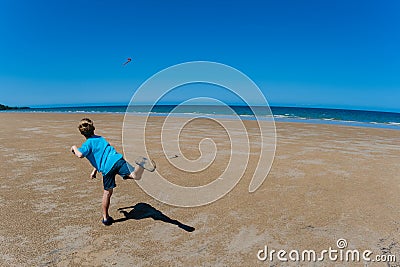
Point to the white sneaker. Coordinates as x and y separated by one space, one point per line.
146 164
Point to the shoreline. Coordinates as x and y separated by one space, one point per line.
375 125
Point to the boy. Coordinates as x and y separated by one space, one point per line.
105 159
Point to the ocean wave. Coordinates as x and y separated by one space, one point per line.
282 116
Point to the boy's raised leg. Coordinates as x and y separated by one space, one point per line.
137 173
142 164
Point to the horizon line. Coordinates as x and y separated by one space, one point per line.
209 104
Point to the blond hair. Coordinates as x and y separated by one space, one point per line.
86 127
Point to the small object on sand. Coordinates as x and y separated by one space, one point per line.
174 157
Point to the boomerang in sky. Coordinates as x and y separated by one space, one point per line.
127 61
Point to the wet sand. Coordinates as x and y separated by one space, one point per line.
327 182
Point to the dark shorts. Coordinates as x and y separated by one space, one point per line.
121 167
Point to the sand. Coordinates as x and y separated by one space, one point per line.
327 182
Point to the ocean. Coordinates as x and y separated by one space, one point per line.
375 119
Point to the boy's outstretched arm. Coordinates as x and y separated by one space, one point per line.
75 151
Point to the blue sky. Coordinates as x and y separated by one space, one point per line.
339 54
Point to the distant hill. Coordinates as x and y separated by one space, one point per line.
3 107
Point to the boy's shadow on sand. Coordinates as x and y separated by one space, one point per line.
144 210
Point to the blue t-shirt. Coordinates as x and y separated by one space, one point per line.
100 153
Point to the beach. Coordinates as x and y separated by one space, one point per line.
327 182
